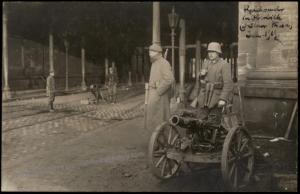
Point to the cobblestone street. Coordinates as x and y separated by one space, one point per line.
28 126
97 148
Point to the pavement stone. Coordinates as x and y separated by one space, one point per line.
35 112
27 126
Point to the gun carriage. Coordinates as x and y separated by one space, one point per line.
226 144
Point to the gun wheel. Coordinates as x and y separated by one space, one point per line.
237 159
163 139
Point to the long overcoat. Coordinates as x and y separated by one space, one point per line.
160 82
218 73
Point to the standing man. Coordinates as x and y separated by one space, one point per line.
160 82
50 91
112 81
94 88
216 83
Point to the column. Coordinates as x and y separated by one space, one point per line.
156 23
129 79
182 60
83 84
6 94
198 59
22 55
67 66
113 65
51 52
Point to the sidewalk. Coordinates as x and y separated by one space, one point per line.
41 93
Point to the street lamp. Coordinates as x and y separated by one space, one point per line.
173 21
66 43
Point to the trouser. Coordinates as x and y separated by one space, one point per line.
112 93
51 99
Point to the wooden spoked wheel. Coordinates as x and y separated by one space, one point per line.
163 139
237 159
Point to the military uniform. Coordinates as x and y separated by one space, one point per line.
112 81
94 88
160 81
215 85
50 90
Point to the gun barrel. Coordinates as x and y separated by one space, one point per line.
185 122
174 120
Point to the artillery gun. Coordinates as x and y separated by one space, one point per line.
226 143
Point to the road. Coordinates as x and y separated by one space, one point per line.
88 148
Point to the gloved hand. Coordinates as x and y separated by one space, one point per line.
203 72
221 103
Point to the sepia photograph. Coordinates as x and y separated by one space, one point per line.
149 96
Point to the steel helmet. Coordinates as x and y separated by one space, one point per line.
156 48
214 46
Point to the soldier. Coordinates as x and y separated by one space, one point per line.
160 82
216 83
216 87
50 90
94 88
112 81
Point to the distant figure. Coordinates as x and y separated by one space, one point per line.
51 91
112 81
94 88
160 82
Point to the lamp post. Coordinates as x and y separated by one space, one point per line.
173 21
66 43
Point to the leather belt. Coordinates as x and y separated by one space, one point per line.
216 85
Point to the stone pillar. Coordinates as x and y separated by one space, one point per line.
83 84
129 79
195 90
198 58
182 61
67 65
156 23
6 94
51 53
22 55
113 65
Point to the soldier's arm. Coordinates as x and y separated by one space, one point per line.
167 78
227 81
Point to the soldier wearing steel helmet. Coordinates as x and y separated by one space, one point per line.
216 83
216 87
160 82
